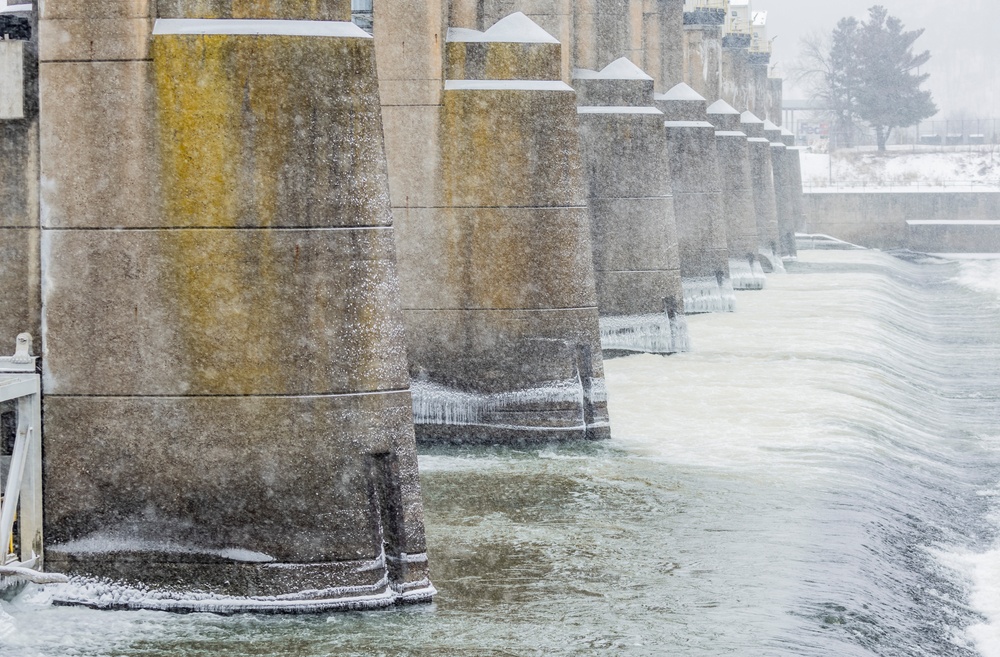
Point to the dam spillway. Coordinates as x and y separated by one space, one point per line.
791 528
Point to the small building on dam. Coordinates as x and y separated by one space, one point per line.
265 249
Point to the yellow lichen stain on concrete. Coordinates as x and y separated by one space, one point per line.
485 147
224 281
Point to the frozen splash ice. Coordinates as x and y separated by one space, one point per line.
107 594
767 254
707 295
653 334
437 404
746 276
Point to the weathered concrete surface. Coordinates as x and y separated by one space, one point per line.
634 234
663 42
701 225
703 58
227 404
20 285
765 205
498 281
737 197
878 219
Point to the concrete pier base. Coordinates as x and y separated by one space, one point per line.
737 197
498 282
227 408
636 263
701 225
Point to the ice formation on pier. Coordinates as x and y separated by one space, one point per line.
656 334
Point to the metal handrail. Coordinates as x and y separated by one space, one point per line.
21 383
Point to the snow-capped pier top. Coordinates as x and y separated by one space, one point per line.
681 103
620 69
681 92
724 116
620 83
515 48
772 132
516 28
752 125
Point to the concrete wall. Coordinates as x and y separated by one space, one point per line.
224 355
878 219
20 285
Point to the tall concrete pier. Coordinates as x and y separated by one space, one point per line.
20 287
636 264
499 294
703 50
701 225
737 197
227 407
784 161
762 179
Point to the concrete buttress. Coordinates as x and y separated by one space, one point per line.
701 225
227 405
634 233
498 282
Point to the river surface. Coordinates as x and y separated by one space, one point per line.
820 476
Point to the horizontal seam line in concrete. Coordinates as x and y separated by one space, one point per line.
94 61
500 310
489 207
330 395
153 229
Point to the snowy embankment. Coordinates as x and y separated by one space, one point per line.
903 170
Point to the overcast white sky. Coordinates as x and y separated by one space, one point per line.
962 36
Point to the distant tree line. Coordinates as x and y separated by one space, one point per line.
867 72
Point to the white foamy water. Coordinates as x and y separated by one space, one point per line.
817 478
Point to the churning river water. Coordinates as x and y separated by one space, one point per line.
820 476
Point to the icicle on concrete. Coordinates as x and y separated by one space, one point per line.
701 224
634 233
498 279
737 197
228 420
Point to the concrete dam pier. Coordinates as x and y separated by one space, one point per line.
231 414
501 275
266 252
636 263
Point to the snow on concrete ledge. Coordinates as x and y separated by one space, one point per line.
750 117
200 26
730 133
681 92
602 109
499 85
516 28
21 8
620 69
721 107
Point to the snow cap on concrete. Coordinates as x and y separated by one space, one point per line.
750 117
681 92
620 69
721 107
770 126
516 28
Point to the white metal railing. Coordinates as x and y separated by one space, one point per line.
22 497
690 5
900 186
